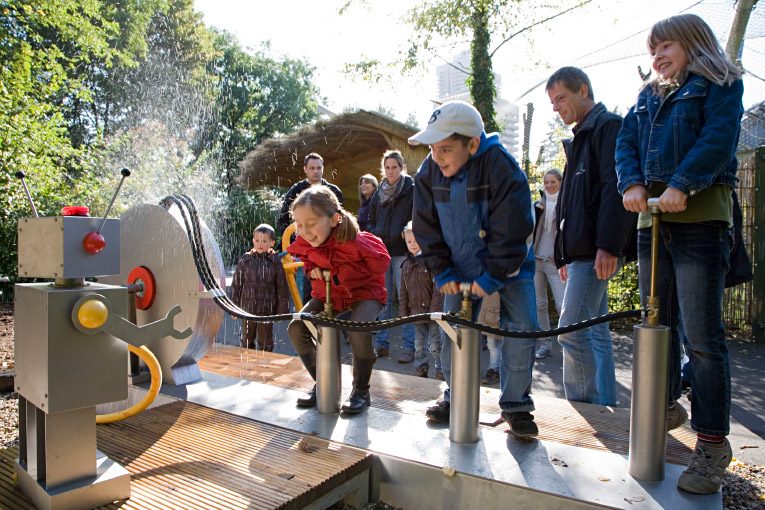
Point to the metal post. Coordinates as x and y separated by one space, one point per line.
650 374
328 381
465 388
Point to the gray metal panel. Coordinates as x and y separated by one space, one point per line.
52 247
80 264
70 447
112 483
58 368
154 237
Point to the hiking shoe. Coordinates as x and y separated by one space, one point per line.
422 370
676 416
706 469
439 413
439 375
543 351
491 378
521 423
382 352
406 357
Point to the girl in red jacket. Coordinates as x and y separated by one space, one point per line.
329 239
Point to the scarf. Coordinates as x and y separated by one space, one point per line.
388 191
551 201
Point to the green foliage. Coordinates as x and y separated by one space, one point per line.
245 210
479 21
481 81
90 86
623 290
256 97
43 46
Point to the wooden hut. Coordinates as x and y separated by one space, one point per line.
351 145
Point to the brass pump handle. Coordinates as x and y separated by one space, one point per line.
652 318
328 311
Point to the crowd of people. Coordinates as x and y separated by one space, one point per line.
467 217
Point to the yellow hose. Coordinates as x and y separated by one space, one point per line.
156 381
290 266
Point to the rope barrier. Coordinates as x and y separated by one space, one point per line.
190 219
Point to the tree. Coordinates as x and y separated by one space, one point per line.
256 97
738 29
43 45
477 19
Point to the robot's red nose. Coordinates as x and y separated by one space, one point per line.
93 243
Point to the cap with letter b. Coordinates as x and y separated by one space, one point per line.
453 117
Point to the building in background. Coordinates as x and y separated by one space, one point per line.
451 86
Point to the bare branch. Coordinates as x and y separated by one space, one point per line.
580 4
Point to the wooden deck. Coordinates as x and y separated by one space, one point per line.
185 456
561 421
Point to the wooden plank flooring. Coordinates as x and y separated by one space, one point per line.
186 456
572 423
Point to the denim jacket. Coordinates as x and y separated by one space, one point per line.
687 141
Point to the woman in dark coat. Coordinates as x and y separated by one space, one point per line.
389 212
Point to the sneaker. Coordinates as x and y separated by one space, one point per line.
422 370
439 413
521 423
382 352
543 351
439 375
406 357
676 416
491 378
706 469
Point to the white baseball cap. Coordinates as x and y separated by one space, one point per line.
451 117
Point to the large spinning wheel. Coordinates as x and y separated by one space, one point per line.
155 249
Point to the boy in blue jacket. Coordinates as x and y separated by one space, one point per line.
473 219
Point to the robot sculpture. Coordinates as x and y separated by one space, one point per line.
71 355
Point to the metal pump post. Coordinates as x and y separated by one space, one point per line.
328 382
465 387
650 375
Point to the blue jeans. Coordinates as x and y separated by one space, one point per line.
588 355
392 283
517 312
693 261
427 340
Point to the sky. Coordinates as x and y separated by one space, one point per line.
596 37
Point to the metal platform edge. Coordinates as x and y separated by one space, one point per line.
406 447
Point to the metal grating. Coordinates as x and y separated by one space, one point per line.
187 456
561 421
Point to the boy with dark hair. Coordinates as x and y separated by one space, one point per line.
260 288
473 221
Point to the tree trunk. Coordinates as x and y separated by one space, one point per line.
482 79
738 29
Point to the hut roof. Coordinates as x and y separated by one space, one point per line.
351 145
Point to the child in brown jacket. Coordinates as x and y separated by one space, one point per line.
260 288
417 294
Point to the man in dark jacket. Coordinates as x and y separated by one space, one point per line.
313 166
594 232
